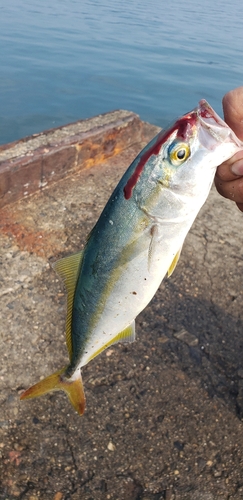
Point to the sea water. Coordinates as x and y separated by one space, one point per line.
65 60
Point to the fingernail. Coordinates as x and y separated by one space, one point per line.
237 167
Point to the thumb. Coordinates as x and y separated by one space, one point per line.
233 110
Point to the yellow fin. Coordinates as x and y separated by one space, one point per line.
55 382
173 263
68 270
126 335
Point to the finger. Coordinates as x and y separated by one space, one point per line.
240 206
233 110
233 190
232 168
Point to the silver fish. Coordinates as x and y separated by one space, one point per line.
137 241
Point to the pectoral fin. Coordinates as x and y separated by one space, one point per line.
68 269
174 263
153 245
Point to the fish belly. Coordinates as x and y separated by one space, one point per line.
137 282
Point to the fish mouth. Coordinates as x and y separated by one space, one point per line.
216 129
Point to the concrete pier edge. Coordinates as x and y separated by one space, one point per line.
33 163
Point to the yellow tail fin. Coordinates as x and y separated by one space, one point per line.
55 382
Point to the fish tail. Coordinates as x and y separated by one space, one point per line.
58 381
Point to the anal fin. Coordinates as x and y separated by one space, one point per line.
126 335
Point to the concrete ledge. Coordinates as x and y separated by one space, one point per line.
29 165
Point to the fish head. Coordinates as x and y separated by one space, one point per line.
199 141
184 158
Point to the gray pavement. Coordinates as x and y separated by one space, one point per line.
164 415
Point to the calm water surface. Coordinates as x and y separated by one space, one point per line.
61 60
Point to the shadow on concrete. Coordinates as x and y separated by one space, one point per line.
203 340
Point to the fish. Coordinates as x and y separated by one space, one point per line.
136 241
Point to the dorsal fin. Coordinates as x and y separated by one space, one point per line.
173 263
68 269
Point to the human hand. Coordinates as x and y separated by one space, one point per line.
229 175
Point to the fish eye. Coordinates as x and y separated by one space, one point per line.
178 153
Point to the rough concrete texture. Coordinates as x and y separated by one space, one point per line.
28 165
164 415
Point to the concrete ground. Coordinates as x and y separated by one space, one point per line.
164 415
